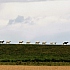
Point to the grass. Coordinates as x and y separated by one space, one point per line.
34 54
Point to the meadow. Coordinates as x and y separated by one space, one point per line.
32 54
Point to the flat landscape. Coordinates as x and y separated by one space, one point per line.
34 55
20 67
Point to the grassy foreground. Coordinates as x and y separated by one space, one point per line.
30 54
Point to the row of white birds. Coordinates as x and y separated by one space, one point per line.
28 42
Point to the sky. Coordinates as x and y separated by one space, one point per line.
35 20
29 0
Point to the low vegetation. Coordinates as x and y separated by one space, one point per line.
31 54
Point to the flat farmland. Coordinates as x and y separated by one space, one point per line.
21 67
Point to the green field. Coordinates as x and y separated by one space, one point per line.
31 53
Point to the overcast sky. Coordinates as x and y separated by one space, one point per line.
35 21
29 0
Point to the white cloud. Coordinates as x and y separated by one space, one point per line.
49 19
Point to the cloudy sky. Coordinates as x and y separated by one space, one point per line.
35 20
29 0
